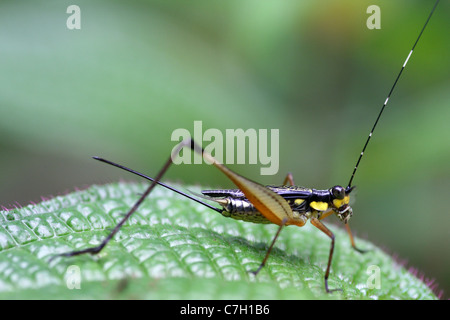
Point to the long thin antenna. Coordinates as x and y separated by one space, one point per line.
389 95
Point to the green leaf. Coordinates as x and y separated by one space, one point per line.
174 248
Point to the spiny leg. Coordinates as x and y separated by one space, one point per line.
353 240
315 222
263 263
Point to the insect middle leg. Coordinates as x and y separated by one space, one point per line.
263 263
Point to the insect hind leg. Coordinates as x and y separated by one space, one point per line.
95 250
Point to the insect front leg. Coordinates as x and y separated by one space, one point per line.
353 240
316 222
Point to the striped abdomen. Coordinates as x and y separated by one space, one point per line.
241 209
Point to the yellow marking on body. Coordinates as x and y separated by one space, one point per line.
319 205
339 203
299 201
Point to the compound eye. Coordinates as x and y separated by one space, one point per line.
338 192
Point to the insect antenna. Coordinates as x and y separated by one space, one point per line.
389 95
158 182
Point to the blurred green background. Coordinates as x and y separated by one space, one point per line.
138 70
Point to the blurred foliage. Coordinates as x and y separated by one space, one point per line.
138 70
164 252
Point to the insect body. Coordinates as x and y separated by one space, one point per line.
305 203
252 202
